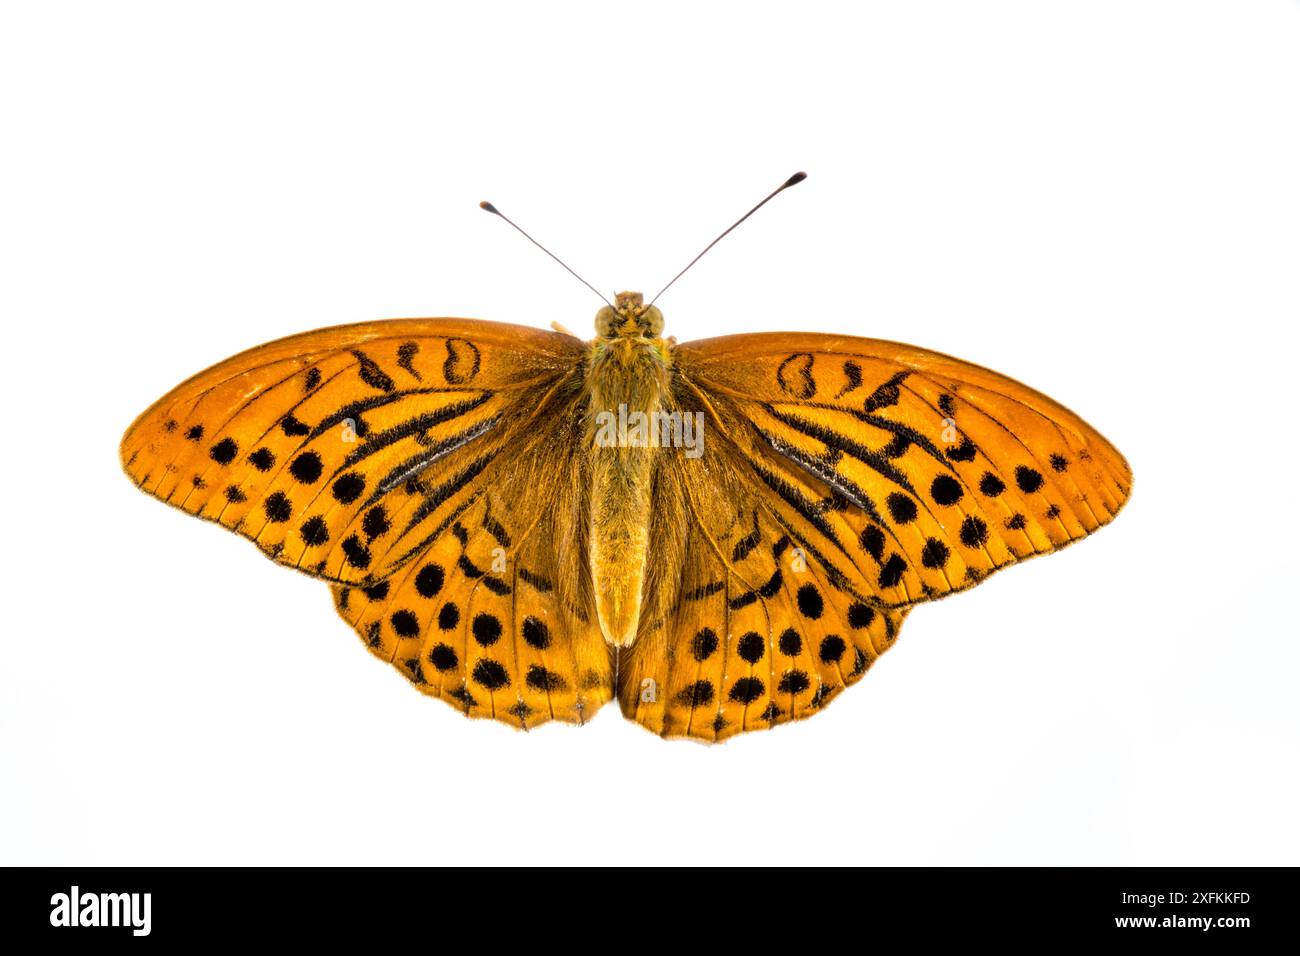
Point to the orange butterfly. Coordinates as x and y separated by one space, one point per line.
725 534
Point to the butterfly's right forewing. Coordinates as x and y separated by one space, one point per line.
342 453
433 470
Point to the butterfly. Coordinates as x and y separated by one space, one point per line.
723 534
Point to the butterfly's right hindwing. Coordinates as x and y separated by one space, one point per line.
492 617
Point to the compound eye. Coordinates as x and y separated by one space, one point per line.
605 320
653 319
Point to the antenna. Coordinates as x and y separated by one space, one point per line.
792 181
487 206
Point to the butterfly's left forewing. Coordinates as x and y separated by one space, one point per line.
912 473
843 480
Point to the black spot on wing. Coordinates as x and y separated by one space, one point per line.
793 682
263 459
935 553
963 452
539 678
490 674
696 695
746 690
704 643
751 647
892 571
536 633
974 532
1028 479
443 657
945 490
224 451
293 428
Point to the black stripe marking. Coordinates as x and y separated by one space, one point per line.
823 468
791 496
747 544
462 362
833 439
706 590
406 353
537 581
495 528
371 373
412 466
419 548
742 600
354 410
447 489
794 375
886 394
413 426
853 372
902 433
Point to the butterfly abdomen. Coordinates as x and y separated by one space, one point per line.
627 382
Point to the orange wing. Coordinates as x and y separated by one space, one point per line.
895 475
342 452
937 471
431 469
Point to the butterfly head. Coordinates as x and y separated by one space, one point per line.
629 317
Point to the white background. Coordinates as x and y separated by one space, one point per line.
1099 199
